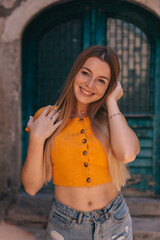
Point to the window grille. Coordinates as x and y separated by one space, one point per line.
133 50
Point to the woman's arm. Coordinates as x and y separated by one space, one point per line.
124 142
32 173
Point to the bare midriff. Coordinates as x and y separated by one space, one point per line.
86 198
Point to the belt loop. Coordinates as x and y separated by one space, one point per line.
80 218
105 213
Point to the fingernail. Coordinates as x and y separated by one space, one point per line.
55 109
30 117
60 110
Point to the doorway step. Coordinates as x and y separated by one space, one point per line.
145 212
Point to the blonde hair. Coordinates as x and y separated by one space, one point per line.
96 110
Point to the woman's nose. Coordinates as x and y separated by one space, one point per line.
90 83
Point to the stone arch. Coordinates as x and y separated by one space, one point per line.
14 27
19 19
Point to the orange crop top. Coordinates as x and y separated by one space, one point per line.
77 156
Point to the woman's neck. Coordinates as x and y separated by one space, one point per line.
81 110
79 114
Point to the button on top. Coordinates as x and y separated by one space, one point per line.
88 179
85 153
82 131
84 140
86 164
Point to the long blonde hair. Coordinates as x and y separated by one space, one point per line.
96 110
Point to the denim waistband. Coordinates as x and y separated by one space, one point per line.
74 213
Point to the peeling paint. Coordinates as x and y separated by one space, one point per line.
151 183
146 180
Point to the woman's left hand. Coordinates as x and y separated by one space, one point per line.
116 94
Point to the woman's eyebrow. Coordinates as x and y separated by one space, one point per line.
99 76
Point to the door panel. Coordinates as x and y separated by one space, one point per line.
133 50
56 51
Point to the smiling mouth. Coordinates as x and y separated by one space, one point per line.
86 93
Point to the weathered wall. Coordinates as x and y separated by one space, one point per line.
152 6
10 116
14 16
10 120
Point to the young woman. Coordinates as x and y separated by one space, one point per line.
84 142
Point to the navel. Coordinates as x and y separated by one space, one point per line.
89 203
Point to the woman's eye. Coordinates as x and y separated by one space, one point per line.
101 80
85 73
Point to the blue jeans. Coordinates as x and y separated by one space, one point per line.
112 222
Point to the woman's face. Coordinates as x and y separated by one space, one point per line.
91 82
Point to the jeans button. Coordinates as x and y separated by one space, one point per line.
109 215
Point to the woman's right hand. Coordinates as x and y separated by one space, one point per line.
44 125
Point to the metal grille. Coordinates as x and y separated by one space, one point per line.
57 49
133 50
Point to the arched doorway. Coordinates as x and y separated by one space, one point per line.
54 38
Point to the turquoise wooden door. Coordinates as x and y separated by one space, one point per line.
53 40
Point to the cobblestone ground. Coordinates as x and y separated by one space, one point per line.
11 232
143 229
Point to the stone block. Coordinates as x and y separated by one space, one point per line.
8 3
144 206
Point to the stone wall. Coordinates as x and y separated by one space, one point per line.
10 119
14 16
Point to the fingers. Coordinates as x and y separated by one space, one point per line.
119 88
30 119
51 113
45 111
55 116
58 124
119 84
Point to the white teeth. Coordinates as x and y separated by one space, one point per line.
86 92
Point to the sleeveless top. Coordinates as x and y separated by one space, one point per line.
77 156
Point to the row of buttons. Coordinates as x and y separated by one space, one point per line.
85 152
